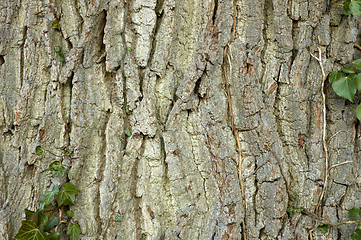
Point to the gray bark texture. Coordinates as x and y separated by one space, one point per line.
155 67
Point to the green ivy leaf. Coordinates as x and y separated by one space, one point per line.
69 213
346 7
35 218
48 208
41 206
57 49
355 7
48 197
127 110
55 25
296 196
118 218
334 76
39 151
28 231
323 228
43 218
57 169
67 195
356 235
29 214
291 211
357 80
53 236
69 154
345 87
73 231
357 64
52 223
347 70
354 212
128 132
358 112
62 57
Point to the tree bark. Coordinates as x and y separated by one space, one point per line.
155 67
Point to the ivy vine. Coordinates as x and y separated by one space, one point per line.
53 217
345 84
353 213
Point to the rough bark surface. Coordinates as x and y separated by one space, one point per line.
176 176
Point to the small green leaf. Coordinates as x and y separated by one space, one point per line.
347 70
29 214
296 196
43 218
67 195
354 212
334 76
357 63
69 213
52 223
291 211
55 166
346 7
127 153
345 87
39 151
32 216
48 196
57 169
118 218
356 235
41 206
69 153
128 132
119 32
61 57
323 228
28 231
53 236
48 208
73 231
300 209
355 7
57 49
357 80
127 110
55 25
130 49
358 112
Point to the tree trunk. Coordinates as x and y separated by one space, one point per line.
153 97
